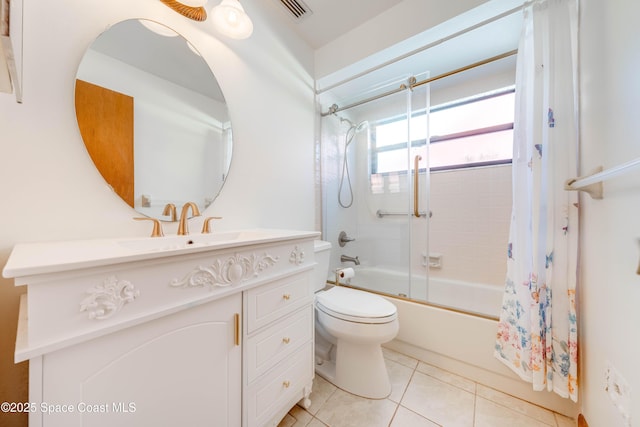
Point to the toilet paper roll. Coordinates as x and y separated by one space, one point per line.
346 273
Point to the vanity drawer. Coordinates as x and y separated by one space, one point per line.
282 384
270 302
277 342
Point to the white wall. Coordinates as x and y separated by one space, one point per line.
403 21
609 290
271 108
49 186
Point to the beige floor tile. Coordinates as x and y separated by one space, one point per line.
439 402
447 377
287 421
321 391
518 405
347 410
399 375
407 361
490 414
301 416
407 418
429 397
563 421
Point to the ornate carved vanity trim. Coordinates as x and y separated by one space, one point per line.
233 270
297 256
107 299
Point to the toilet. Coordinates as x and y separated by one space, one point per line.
351 326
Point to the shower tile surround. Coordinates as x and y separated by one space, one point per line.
422 396
470 223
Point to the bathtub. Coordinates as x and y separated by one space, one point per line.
454 340
473 298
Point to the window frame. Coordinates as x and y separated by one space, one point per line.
442 138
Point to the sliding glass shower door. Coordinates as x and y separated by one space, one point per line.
375 169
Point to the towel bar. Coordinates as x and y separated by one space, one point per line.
592 184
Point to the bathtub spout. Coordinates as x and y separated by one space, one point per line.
347 258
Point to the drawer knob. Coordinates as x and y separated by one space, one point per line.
286 384
286 340
286 297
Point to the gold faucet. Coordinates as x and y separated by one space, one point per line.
183 227
170 209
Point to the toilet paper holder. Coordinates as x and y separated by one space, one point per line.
344 273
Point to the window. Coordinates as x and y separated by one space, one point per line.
476 131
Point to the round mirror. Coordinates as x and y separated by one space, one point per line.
153 118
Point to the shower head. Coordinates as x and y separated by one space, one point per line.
362 126
356 127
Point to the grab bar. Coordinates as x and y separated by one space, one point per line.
416 201
380 213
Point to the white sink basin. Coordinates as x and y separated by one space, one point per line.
168 243
46 257
178 242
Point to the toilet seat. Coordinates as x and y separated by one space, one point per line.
355 306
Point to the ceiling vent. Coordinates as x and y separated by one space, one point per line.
297 8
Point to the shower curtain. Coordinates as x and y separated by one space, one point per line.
537 334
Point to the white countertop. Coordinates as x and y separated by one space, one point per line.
28 259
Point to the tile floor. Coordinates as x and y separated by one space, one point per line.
421 396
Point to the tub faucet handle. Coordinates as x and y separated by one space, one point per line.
343 239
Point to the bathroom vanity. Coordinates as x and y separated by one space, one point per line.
180 330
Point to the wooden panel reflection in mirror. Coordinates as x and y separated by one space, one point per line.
105 119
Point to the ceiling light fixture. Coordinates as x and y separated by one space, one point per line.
231 20
228 17
192 9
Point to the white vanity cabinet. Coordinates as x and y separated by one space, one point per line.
278 349
216 333
181 369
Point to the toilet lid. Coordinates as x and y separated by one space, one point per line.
354 305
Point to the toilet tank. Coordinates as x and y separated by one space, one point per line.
322 251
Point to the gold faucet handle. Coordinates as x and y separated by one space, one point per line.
157 228
205 225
